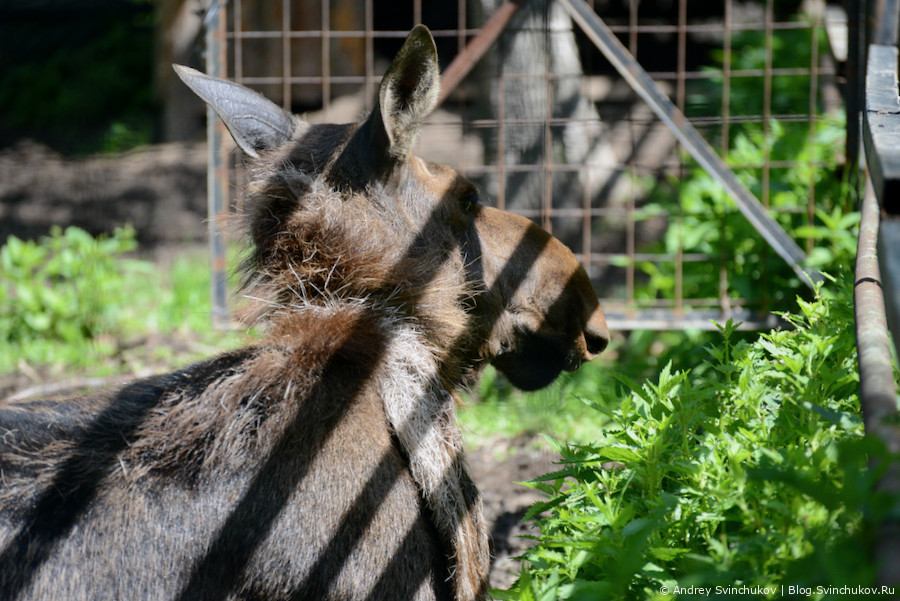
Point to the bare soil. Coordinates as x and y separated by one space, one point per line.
498 467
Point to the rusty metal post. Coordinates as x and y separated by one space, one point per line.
217 168
877 388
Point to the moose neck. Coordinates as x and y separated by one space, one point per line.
416 377
317 247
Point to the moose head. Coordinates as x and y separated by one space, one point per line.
350 210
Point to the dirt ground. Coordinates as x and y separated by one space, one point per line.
497 468
161 191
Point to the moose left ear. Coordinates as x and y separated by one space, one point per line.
255 122
409 92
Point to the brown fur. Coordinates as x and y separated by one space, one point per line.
325 462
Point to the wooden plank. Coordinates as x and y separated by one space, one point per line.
881 128
623 320
889 260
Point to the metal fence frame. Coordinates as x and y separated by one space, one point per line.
624 311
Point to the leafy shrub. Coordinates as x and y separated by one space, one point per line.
704 221
803 164
753 473
708 222
66 289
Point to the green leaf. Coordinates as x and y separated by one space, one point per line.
668 553
623 454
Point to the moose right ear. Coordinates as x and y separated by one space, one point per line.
408 92
255 122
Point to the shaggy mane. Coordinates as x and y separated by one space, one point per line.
316 246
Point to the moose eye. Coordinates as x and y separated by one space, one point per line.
469 202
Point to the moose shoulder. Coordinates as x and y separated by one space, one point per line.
325 462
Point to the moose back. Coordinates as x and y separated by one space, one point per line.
324 462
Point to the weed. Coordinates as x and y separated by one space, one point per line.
704 222
708 224
787 162
78 302
753 473
62 292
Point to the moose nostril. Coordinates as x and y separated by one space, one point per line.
596 341
596 334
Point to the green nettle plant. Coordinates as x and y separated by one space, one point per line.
708 222
62 292
804 164
752 474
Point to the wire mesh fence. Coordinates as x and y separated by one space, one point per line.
549 130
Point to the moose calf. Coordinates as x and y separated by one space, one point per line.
325 462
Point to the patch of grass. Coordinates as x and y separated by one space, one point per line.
497 409
71 302
177 297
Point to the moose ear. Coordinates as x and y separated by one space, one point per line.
255 122
409 91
